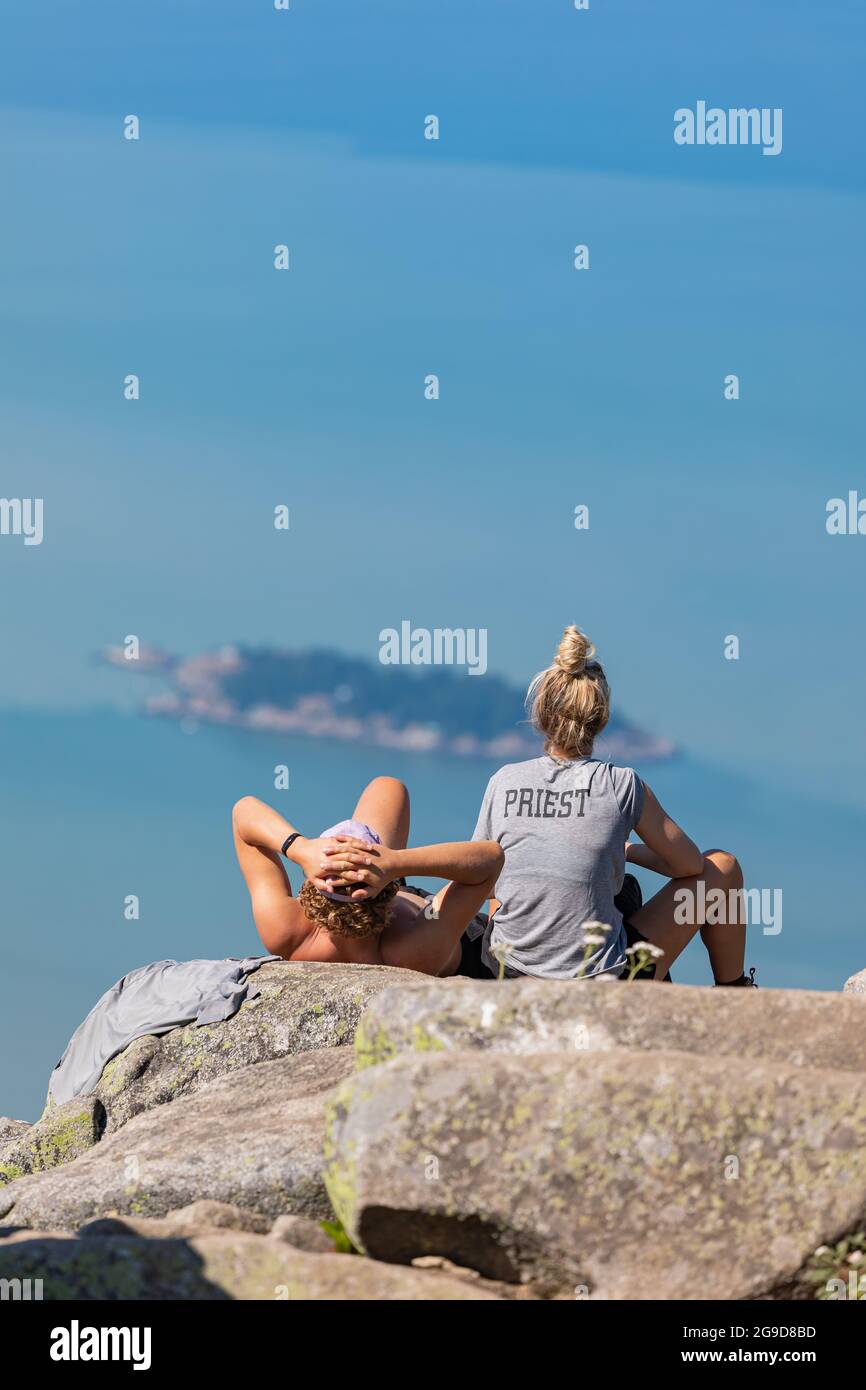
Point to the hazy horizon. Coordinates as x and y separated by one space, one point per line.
408 256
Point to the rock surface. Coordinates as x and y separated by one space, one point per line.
193 1220
626 1174
11 1129
223 1265
856 984
252 1139
796 1027
303 1234
484 1139
63 1134
300 1008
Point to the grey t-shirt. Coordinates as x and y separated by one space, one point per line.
563 827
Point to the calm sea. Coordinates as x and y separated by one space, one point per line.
96 807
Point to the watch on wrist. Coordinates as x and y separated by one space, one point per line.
290 840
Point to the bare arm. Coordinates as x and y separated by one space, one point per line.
370 868
259 834
261 829
666 849
260 825
431 941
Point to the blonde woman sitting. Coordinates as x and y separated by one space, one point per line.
563 821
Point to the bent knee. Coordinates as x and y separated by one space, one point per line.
240 806
389 784
489 886
727 865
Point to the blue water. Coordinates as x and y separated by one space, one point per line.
94 807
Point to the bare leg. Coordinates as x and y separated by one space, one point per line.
725 941
384 806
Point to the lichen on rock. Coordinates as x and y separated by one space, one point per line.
62 1134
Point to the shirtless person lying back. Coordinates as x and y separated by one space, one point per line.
354 905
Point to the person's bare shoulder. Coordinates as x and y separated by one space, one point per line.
287 931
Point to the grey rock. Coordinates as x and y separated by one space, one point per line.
196 1219
856 984
252 1139
225 1265
303 1234
11 1129
61 1135
301 1007
523 1017
624 1174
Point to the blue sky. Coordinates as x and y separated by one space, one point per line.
409 257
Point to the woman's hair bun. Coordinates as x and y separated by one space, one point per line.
570 702
574 651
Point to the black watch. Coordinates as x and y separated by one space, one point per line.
290 840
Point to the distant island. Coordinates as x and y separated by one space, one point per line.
322 693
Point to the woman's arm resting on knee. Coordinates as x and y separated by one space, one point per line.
666 849
431 941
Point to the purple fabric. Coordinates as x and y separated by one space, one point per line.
358 831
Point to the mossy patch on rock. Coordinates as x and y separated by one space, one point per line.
62 1134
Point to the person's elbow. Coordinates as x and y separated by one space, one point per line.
690 862
240 808
494 859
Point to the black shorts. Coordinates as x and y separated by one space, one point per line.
647 972
471 964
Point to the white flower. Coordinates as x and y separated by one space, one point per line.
649 949
593 939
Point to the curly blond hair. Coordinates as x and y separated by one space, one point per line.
366 917
570 702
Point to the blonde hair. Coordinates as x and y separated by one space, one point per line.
366 917
570 702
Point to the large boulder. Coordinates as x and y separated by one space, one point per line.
619 1174
856 984
216 1265
796 1027
300 1007
252 1139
